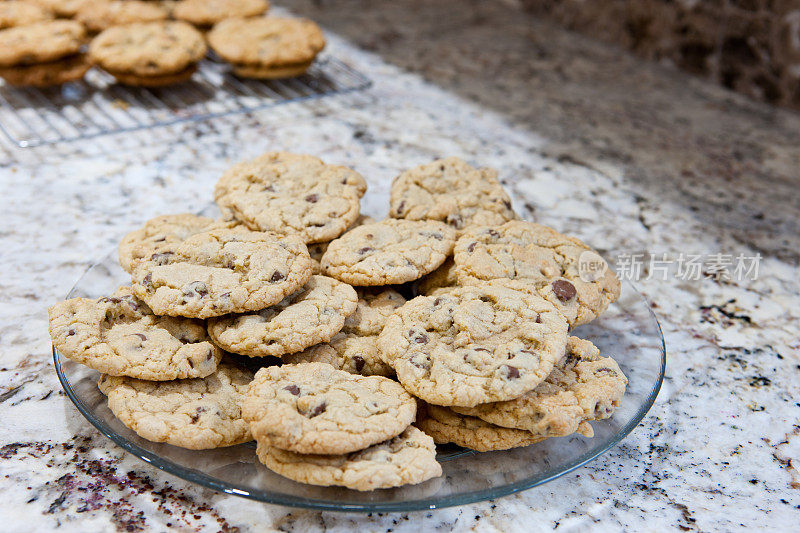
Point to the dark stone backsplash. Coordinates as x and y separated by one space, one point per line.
750 46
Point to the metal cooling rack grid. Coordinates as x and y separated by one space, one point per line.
98 106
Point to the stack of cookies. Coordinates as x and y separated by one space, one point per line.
137 43
448 322
43 53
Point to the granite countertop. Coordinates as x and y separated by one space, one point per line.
632 158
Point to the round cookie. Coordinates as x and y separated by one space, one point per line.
442 277
451 191
542 258
315 408
444 425
119 335
209 12
388 252
62 8
310 316
18 13
407 459
292 194
197 414
57 72
474 344
223 270
583 386
159 235
267 47
346 351
40 42
99 16
148 49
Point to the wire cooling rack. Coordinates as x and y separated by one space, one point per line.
98 106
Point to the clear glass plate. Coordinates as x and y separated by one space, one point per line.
628 331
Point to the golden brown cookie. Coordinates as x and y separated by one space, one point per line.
314 408
407 459
291 194
98 16
268 47
149 50
445 425
18 13
209 12
62 8
40 42
582 387
71 68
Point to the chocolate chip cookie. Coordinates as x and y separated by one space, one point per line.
41 42
445 425
312 315
119 335
407 459
388 252
267 47
583 386
542 258
221 271
159 236
208 12
292 194
197 413
98 16
451 191
62 8
315 408
18 13
474 344
71 68
149 53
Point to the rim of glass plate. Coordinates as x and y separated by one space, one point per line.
200 478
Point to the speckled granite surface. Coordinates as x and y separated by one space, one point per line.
632 158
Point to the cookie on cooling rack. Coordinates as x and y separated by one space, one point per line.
149 54
18 13
267 47
41 42
205 13
98 16
43 53
71 68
